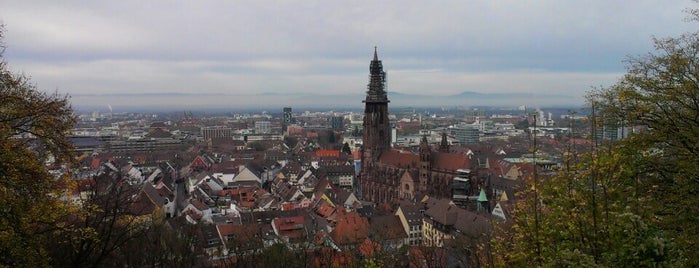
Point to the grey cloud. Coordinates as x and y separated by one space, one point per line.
314 46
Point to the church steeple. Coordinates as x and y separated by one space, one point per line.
377 127
425 164
377 81
444 144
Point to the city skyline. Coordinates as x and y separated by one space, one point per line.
215 49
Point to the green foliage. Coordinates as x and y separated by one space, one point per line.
291 141
279 254
346 148
33 128
632 202
660 92
592 213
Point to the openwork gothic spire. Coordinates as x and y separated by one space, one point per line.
377 81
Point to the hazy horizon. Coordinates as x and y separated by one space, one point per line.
271 101
250 47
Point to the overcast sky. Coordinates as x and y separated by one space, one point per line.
247 47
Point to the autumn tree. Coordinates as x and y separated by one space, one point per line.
591 213
33 133
630 202
100 232
659 98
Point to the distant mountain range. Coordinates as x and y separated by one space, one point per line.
273 100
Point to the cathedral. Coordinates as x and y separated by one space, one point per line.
388 175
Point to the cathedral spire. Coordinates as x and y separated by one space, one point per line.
377 131
377 81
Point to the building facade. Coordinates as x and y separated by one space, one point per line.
263 127
216 132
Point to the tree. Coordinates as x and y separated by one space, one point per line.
28 119
109 220
629 202
33 131
591 213
290 141
660 95
346 148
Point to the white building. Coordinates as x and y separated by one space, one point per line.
263 127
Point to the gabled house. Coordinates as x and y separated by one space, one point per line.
445 221
245 198
410 217
210 242
345 199
149 201
388 231
133 173
291 229
202 162
240 240
340 175
286 191
196 211
249 175
206 183
290 172
195 180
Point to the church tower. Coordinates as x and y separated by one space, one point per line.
377 128
444 144
425 164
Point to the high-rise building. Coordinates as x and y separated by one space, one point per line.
287 118
466 134
338 122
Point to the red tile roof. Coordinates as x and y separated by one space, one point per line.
289 223
291 227
95 164
449 161
350 229
399 158
325 153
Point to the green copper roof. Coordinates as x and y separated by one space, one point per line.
481 197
